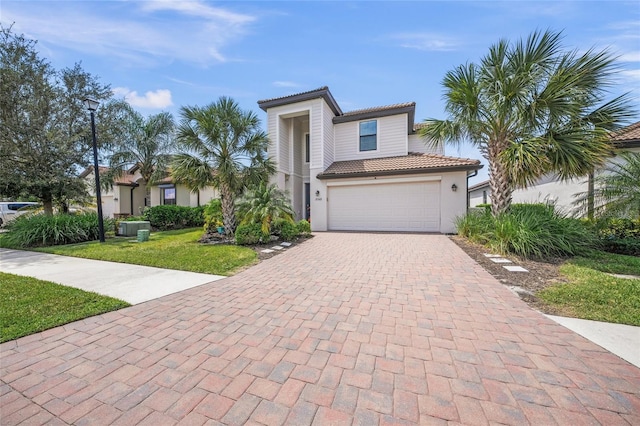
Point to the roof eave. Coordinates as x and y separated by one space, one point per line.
324 176
323 93
410 110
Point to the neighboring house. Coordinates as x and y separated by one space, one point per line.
130 195
167 192
127 197
480 193
550 189
364 170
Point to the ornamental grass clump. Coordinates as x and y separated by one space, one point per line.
528 230
42 230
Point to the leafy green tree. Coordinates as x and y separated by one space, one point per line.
264 204
532 108
145 142
617 190
45 132
223 146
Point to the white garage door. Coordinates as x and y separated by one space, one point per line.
413 206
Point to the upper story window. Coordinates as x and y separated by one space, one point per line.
307 148
368 135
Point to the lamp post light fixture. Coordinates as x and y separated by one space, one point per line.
92 105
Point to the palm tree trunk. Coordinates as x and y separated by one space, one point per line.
228 210
499 182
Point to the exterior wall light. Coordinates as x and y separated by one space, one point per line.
317 193
454 187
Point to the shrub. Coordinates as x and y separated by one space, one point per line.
304 228
620 236
174 217
528 230
285 229
250 234
40 230
212 215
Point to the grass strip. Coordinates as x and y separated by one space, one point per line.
594 295
29 305
178 250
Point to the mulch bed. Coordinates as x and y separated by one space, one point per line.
221 239
542 273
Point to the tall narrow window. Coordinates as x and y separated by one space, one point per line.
169 196
368 135
307 147
484 197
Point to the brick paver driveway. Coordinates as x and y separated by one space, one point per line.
344 329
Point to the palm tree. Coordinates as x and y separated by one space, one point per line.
225 148
617 190
532 108
265 204
147 143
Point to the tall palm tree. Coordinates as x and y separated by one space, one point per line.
225 148
147 143
532 108
617 190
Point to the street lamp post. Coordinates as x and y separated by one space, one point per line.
92 105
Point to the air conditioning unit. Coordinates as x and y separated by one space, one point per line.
130 229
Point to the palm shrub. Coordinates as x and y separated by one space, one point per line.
42 230
264 204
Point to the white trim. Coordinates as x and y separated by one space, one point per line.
374 181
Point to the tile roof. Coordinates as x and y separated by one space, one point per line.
405 164
479 185
629 133
319 89
380 108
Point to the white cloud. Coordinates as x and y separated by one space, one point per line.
630 57
156 99
631 74
285 84
426 41
142 33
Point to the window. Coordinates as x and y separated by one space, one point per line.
368 135
307 147
484 197
169 196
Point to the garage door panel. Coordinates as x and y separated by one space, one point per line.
411 206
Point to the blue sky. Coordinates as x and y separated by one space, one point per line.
161 55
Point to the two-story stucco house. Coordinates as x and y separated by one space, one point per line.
364 170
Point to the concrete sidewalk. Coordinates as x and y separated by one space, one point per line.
622 340
131 283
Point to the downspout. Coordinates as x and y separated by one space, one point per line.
475 173
135 185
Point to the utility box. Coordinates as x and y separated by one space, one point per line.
143 235
130 229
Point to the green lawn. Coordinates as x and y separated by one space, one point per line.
29 305
592 293
170 249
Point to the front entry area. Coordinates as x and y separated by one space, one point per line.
406 206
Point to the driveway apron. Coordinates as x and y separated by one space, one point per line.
343 329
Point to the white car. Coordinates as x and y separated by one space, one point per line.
9 210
